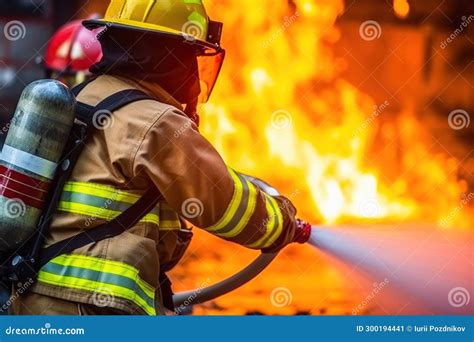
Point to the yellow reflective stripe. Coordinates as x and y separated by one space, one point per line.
274 224
100 213
101 191
94 286
276 229
99 275
233 206
244 220
169 219
151 218
193 2
110 266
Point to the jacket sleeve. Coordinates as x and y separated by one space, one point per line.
196 183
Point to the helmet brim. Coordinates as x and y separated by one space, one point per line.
206 47
210 57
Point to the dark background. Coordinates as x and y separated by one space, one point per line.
20 61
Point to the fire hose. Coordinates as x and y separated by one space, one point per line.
202 295
230 284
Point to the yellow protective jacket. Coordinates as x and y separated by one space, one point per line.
145 143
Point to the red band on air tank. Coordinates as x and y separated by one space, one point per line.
20 177
15 185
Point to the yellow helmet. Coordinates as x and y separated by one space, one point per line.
184 20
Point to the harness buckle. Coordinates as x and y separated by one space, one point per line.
23 270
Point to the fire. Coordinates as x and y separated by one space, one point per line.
401 8
282 112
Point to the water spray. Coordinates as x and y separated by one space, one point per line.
422 265
425 264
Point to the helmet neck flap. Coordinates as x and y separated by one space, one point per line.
151 58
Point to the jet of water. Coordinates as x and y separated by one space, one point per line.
429 265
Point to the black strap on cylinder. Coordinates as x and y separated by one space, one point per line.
94 116
80 87
80 133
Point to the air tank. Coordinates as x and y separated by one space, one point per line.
37 136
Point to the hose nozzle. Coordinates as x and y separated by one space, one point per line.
303 231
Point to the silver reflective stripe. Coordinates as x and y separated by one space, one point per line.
28 162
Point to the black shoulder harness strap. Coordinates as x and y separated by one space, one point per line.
89 115
26 265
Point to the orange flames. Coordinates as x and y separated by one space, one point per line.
401 8
282 112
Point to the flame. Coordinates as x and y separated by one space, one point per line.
282 112
401 8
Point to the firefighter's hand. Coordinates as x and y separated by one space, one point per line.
290 231
303 231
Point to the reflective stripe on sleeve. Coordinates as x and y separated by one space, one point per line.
273 224
240 209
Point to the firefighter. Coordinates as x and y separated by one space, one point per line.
71 51
170 50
